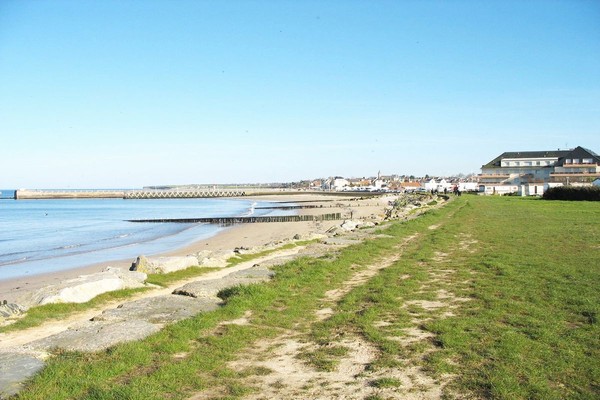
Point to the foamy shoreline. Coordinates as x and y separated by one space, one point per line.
243 235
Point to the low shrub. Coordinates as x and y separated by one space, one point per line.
588 193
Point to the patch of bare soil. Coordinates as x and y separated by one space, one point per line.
289 377
467 243
286 375
360 278
292 378
440 256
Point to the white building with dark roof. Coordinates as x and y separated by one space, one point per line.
530 172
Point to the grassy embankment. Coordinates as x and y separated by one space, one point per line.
38 315
508 289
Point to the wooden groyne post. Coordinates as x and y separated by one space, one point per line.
224 221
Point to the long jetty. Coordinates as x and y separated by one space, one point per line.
182 194
37 194
41 194
224 221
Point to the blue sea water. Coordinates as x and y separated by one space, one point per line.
40 236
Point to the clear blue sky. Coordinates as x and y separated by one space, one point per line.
134 93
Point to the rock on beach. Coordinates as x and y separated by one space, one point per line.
8 310
163 265
85 287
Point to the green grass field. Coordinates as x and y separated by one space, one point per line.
507 290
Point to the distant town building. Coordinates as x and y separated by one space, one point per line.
431 185
468 186
339 183
389 178
531 172
379 184
410 186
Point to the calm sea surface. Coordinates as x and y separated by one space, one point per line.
39 236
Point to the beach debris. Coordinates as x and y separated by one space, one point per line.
163 265
10 310
242 250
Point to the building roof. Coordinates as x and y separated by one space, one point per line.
410 184
580 153
577 152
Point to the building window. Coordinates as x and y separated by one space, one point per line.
568 161
587 160
538 163
576 161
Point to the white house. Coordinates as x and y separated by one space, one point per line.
339 184
443 184
379 184
468 186
530 172
431 185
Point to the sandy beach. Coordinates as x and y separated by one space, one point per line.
243 235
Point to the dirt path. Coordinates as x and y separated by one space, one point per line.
287 375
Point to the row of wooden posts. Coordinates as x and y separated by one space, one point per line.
244 220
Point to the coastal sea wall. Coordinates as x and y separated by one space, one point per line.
41 194
30 194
